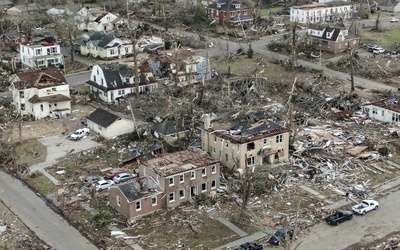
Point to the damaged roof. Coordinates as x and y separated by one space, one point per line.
391 104
167 127
133 190
103 117
49 99
181 161
40 79
245 131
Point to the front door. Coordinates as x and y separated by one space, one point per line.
193 191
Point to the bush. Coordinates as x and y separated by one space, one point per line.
167 45
384 151
250 52
102 218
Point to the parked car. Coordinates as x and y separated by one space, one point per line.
80 133
394 20
249 246
91 180
365 206
112 173
339 217
378 50
367 26
279 236
121 177
104 184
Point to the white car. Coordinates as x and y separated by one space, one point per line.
394 20
80 133
378 50
365 206
104 184
121 177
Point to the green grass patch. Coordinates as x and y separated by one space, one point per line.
30 151
265 12
387 38
42 185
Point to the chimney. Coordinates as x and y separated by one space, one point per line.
207 121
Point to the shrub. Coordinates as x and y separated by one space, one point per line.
384 151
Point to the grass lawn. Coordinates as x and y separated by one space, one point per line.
30 152
387 38
42 184
265 12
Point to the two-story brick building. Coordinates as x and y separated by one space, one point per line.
232 12
245 144
167 181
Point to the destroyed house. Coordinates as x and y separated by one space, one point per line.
332 38
245 144
169 131
183 175
385 111
137 198
14 39
185 67
109 82
41 93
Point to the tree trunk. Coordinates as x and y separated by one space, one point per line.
352 88
135 65
294 46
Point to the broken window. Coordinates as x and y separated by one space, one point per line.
22 106
171 197
251 146
204 187
193 175
214 169
21 94
153 201
250 161
181 178
182 193
279 138
171 181
118 201
138 206
213 184
203 172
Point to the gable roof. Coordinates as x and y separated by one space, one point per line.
14 35
103 117
40 79
99 39
100 17
228 5
181 161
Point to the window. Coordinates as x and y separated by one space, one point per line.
374 111
204 187
171 197
383 112
21 94
112 52
227 144
251 146
171 181
226 157
138 205
181 178
193 175
22 106
53 89
102 81
153 201
213 184
118 201
94 78
55 104
215 139
119 92
41 107
181 193
278 138
265 141
214 169
53 50
212 149
250 161
203 172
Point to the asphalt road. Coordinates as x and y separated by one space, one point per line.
78 78
47 225
362 229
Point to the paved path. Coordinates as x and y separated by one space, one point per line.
47 225
232 227
249 238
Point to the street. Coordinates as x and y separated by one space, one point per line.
47 225
363 228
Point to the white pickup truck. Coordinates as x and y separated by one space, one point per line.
80 133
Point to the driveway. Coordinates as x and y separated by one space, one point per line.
58 146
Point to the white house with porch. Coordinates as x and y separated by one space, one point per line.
41 55
41 93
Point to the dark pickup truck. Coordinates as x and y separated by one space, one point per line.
339 216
